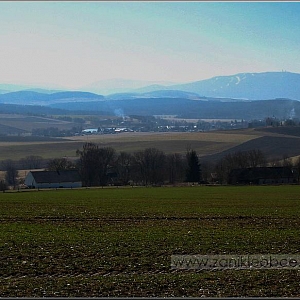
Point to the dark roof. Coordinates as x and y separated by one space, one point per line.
56 176
262 172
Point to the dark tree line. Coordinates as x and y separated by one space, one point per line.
151 166
237 160
100 166
94 164
58 164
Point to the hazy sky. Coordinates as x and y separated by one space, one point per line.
73 44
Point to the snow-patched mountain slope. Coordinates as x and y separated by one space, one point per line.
254 86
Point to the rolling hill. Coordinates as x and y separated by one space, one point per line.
186 108
273 147
254 86
271 94
154 94
119 85
36 98
251 86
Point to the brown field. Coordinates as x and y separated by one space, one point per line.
203 142
292 130
44 149
209 145
27 123
274 147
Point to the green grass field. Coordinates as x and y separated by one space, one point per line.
119 241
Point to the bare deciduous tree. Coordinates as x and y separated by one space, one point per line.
175 167
58 164
11 172
31 162
237 160
124 167
286 162
297 167
94 163
3 186
150 163
256 158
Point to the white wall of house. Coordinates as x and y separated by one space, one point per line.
30 182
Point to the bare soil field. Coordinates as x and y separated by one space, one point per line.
274 147
291 130
20 124
203 142
209 145
43 149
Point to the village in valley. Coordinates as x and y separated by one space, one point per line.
98 163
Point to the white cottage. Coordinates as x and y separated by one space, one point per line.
53 179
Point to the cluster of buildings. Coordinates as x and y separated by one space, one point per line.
109 130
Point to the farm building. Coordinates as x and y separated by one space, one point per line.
90 131
53 179
262 175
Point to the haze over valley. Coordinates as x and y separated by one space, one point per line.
240 96
85 69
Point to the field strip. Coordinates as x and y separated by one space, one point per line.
219 136
104 273
138 218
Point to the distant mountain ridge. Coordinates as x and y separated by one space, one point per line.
8 88
35 98
202 108
154 94
244 95
252 86
113 86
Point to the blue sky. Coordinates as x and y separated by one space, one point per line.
72 44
